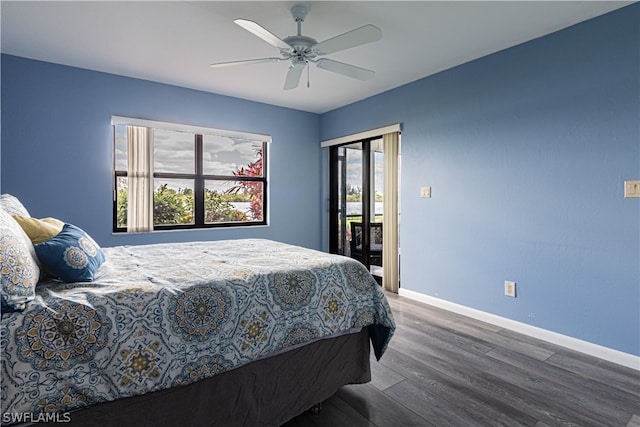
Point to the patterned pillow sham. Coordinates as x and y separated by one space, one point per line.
20 270
72 255
12 205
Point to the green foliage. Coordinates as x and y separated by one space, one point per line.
358 197
121 207
172 207
235 197
217 209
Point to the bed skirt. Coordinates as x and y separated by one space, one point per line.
268 392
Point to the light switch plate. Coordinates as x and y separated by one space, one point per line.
632 189
425 192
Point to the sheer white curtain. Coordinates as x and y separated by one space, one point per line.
390 231
140 179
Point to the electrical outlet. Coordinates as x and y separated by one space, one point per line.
510 288
425 192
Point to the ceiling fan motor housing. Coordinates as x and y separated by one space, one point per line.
302 47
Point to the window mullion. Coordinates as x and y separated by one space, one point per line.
199 184
264 182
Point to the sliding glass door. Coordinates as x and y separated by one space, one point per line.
356 201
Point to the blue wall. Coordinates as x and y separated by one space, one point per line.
526 151
57 148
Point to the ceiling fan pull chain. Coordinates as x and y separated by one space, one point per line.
308 75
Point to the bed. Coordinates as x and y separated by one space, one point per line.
245 332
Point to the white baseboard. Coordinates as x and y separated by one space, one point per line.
605 353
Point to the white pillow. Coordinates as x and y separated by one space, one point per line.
12 205
18 265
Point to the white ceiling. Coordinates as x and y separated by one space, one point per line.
175 41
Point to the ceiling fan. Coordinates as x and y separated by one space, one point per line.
302 50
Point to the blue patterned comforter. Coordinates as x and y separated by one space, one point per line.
164 315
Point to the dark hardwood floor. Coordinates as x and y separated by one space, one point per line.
444 369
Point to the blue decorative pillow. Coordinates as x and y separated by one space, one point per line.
18 265
72 255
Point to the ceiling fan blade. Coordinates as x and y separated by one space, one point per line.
362 35
263 33
293 76
248 61
345 69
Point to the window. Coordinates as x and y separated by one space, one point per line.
169 176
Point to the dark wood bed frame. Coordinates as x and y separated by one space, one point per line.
268 392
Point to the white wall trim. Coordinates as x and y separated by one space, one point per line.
361 135
609 354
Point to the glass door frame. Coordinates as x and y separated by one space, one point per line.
336 206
